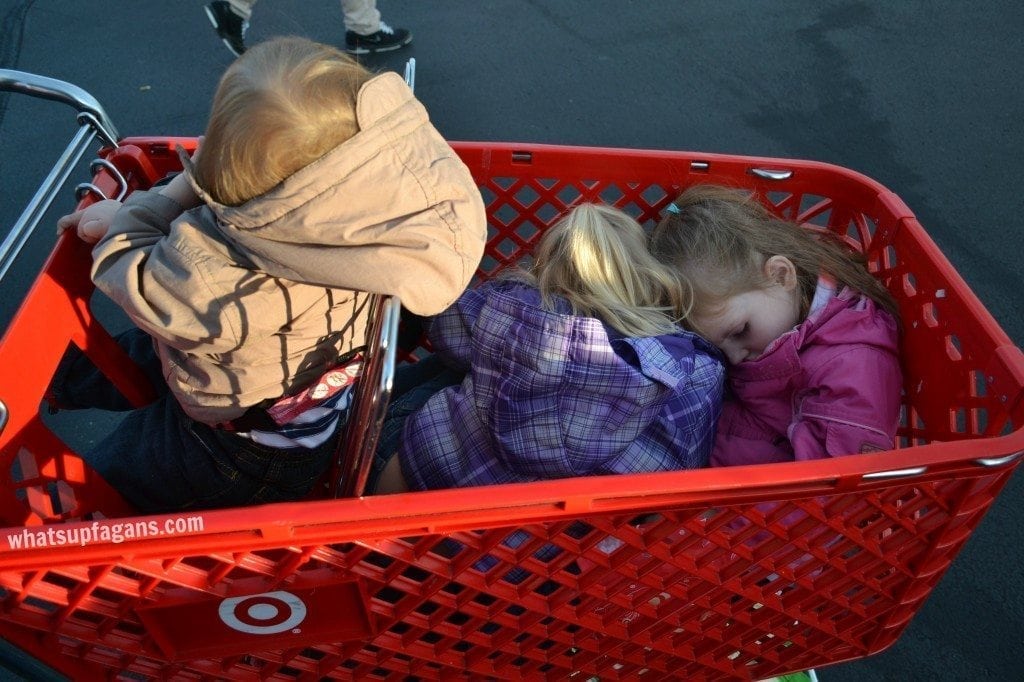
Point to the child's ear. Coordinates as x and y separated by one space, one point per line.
780 270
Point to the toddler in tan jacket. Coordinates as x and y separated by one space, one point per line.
316 183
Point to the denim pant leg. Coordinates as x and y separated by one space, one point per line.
161 460
78 384
414 385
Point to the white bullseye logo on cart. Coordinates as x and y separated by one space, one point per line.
263 614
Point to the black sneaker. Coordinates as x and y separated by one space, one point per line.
230 25
384 40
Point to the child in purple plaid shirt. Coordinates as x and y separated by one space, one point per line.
572 368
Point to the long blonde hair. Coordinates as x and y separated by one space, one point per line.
280 106
721 238
596 257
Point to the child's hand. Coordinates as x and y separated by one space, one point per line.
90 223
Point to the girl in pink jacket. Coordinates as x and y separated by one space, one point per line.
810 335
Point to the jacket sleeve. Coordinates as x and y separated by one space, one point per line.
743 439
157 280
451 331
696 408
851 405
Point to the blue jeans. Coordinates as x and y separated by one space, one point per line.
413 387
162 460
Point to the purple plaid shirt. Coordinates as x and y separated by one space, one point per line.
554 395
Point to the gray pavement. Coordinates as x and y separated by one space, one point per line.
923 96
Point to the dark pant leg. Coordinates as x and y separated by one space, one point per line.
414 385
78 384
161 460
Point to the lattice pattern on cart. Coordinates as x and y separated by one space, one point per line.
711 574
682 594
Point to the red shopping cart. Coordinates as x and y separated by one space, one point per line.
738 573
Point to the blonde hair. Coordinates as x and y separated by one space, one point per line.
280 106
721 239
596 257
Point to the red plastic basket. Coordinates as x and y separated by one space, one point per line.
738 573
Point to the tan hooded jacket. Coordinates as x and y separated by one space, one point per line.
252 302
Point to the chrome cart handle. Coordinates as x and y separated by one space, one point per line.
92 120
410 73
59 91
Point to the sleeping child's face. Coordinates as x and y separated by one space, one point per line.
744 324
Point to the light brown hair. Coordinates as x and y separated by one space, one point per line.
721 238
596 257
280 106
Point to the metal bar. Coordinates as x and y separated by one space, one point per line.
772 173
84 188
997 461
894 473
44 196
354 457
389 348
60 91
93 122
410 73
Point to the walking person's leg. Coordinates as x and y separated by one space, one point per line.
361 16
365 33
230 18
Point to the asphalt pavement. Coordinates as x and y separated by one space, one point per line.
923 96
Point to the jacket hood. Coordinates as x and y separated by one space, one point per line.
396 186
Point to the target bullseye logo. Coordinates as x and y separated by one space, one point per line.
260 614
263 614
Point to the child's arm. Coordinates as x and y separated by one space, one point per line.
695 410
852 405
158 279
451 331
741 440
91 223
849 405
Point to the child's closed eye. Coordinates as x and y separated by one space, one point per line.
741 332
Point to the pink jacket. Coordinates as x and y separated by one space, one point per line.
829 387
